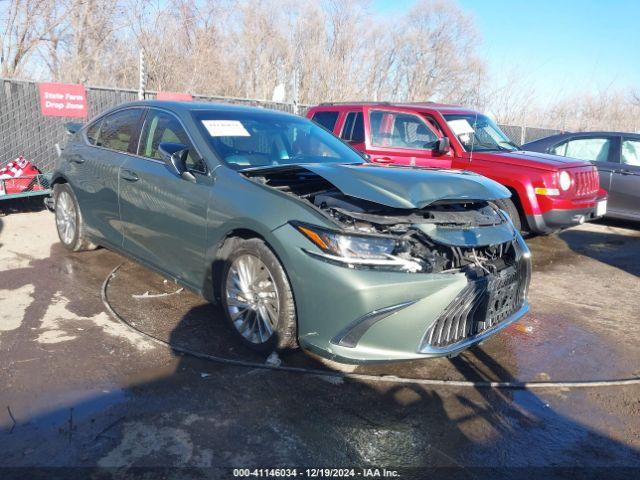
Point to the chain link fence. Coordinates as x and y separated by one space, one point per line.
25 132
523 134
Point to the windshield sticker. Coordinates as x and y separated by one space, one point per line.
460 126
225 128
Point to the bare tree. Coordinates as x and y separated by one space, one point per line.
335 49
509 96
87 48
24 26
437 57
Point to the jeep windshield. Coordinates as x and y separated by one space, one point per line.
478 133
246 140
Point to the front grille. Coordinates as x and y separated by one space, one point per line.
481 305
587 183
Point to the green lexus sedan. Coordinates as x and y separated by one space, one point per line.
299 238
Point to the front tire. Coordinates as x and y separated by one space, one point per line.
256 296
69 220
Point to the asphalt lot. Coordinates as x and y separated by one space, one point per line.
81 389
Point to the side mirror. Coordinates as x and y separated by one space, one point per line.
443 146
175 155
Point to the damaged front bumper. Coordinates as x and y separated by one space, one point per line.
362 315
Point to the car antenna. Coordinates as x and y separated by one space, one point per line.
473 137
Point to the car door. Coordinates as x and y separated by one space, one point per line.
625 182
601 150
94 165
396 136
164 215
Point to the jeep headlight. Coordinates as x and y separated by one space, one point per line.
565 180
356 250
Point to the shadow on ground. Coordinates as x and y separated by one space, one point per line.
611 247
21 205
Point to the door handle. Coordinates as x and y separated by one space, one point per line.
129 176
625 172
75 159
383 160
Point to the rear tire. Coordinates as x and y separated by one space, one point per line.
256 297
508 206
69 221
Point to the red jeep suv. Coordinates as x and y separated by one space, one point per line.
548 192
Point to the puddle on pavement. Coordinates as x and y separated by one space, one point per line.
68 408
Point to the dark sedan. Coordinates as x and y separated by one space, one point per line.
617 157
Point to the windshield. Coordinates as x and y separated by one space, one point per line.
264 139
478 133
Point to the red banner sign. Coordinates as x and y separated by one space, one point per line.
174 96
63 100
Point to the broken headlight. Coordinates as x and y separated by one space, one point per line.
357 250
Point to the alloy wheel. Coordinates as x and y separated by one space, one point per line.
252 299
65 217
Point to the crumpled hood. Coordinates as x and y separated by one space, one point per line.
401 187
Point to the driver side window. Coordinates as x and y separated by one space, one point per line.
162 127
401 130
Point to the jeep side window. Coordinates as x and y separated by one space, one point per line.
435 126
326 119
353 130
400 130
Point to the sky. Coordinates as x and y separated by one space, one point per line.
561 46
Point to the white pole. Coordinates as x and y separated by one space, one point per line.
142 79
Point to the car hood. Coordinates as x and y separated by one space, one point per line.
543 161
401 187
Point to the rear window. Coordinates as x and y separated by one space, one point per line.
326 119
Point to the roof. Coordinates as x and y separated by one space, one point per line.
563 135
601 132
440 107
191 106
